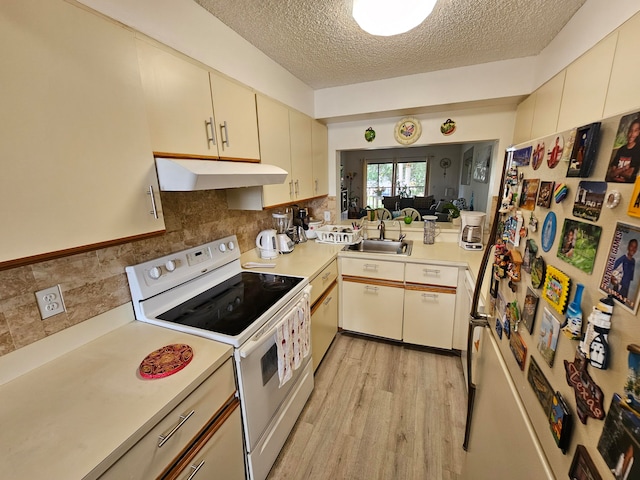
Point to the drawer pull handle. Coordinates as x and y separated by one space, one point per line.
327 301
430 295
429 271
370 266
196 468
183 418
370 288
325 276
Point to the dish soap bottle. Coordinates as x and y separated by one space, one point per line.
573 325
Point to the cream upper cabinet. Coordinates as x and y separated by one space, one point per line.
623 92
545 115
301 155
77 168
320 147
585 86
196 113
178 99
234 107
273 124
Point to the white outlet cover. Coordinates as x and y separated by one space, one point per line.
50 302
327 216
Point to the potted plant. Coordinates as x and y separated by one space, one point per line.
454 212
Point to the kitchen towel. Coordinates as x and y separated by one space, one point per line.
293 337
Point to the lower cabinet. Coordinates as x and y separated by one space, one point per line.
429 316
324 323
205 429
372 308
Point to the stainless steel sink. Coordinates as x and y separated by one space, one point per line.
386 246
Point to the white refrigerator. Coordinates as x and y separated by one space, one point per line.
516 379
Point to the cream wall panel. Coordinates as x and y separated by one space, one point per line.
586 85
624 91
320 146
524 119
547 109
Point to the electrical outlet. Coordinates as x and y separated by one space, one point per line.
50 302
327 216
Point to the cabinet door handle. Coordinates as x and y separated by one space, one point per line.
211 139
225 140
327 301
195 468
370 266
316 181
370 288
291 188
325 276
430 295
183 418
297 188
154 208
430 271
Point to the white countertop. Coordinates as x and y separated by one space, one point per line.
74 416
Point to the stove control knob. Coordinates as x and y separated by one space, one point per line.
170 265
231 245
155 273
222 247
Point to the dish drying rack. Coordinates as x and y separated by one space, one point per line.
339 235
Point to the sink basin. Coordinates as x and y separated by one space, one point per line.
386 246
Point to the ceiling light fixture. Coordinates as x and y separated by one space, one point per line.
390 17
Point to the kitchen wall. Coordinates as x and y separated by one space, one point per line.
95 282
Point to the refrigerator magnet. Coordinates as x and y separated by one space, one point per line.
538 271
560 421
519 349
556 289
499 328
589 396
584 151
548 231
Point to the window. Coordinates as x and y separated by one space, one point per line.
390 177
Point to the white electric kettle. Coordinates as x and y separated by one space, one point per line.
266 243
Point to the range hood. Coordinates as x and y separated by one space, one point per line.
186 175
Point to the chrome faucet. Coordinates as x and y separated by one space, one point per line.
401 235
381 228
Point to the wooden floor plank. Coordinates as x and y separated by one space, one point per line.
379 410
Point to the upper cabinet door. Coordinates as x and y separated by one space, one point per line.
273 121
301 155
74 141
236 121
320 146
178 100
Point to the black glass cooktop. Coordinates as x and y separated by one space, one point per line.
230 307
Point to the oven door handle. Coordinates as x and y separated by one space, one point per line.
248 348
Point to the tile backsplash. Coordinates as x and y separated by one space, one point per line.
95 282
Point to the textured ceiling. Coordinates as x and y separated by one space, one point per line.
319 42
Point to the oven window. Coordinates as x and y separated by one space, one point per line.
269 364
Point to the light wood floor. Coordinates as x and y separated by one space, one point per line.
379 411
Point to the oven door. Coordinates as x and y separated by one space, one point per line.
258 380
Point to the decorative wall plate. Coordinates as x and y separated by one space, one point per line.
369 134
407 130
448 127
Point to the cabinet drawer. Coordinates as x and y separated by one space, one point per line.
146 459
431 274
369 268
323 281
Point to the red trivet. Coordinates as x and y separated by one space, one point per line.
166 361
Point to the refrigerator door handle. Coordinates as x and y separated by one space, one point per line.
481 320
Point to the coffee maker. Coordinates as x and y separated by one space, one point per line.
471 230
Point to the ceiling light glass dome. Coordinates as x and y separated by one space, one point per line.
391 17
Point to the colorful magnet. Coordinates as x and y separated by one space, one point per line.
613 199
499 328
632 386
538 272
560 192
589 396
589 200
548 231
560 421
519 349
